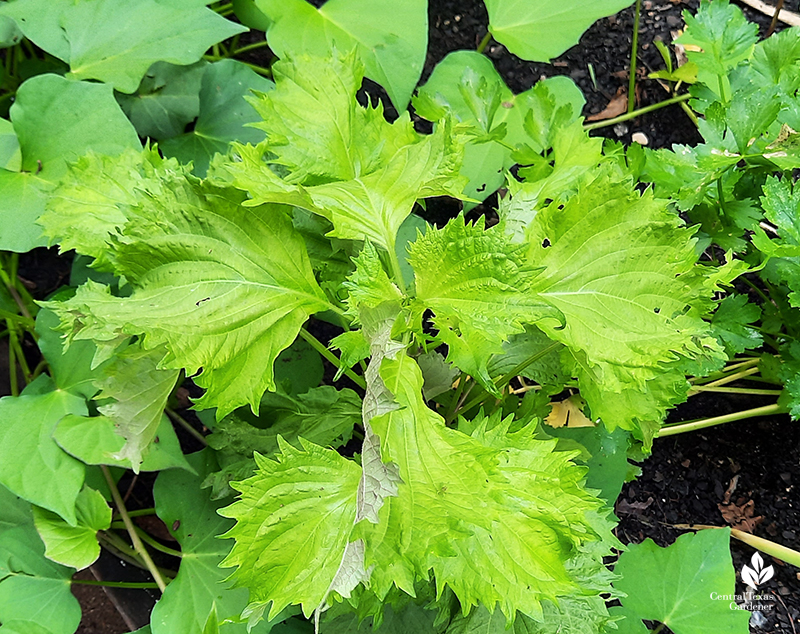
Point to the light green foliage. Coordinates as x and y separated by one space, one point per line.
621 271
166 100
55 120
369 285
576 615
466 85
35 595
477 284
673 585
200 588
116 41
323 415
538 30
294 517
223 115
572 164
352 348
137 391
458 513
32 465
74 546
724 36
730 324
95 441
345 163
88 207
231 316
391 38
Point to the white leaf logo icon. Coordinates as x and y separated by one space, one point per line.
758 574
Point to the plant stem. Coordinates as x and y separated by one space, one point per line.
158 546
690 113
723 373
484 42
186 425
632 115
12 361
249 47
451 410
634 52
317 345
137 543
759 543
739 390
134 585
141 512
680 428
501 382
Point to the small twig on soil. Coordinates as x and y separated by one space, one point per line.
775 15
137 543
787 17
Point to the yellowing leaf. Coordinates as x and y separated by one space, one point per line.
568 413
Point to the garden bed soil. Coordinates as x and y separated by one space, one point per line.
687 476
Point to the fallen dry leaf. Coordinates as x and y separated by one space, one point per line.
568 413
741 517
632 508
726 499
615 107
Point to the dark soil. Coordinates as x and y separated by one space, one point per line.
687 476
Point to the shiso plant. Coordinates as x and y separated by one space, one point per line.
241 229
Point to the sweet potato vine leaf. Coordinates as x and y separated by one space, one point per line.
326 153
116 41
224 288
676 585
392 50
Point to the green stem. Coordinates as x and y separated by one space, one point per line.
137 543
134 585
690 113
485 42
186 425
249 47
317 345
680 428
157 545
397 272
721 194
737 390
501 382
23 362
451 410
142 512
634 51
12 361
712 378
225 7
636 113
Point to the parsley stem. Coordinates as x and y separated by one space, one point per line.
249 47
317 345
711 378
142 512
737 390
634 51
636 113
151 542
694 425
133 585
12 360
137 543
